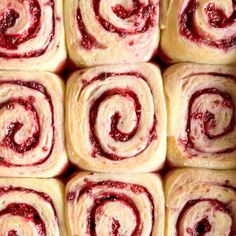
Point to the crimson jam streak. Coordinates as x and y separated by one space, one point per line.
8 18
13 127
216 18
115 133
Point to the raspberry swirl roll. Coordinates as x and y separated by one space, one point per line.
32 35
111 32
201 104
105 204
200 202
31 207
116 118
31 123
202 31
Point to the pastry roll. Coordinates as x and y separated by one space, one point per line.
201 104
32 35
111 32
105 204
200 202
202 31
116 118
31 207
31 123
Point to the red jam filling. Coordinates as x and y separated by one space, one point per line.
13 127
208 119
28 212
115 227
147 14
12 233
88 41
202 227
8 19
111 196
107 197
216 18
115 133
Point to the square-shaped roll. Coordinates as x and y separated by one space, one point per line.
200 202
105 204
32 142
111 32
201 105
31 207
116 118
32 35
198 31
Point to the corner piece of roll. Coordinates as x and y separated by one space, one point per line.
198 31
32 35
116 118
32 142
201 101
111 32
200 202
31 207
105 204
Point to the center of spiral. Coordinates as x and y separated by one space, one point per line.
216 18
211 114
8 19
14 127
29 213
115 227
202 227
18 25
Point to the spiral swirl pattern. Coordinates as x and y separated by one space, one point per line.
209 26
27 110
34 212
208 123
109 205
31 30
115 116
201 202
133 25
207 103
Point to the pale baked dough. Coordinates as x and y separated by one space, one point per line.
54 58
139 154
34 194
210 195
45 99
177 48
112 48
181 83
119 195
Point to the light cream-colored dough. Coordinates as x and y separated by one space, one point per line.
115 49
180 49
54 57
57 160
180 84
53 188
184 185
77 210
151 97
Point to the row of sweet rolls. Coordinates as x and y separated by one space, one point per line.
190 202
111 32
116 119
